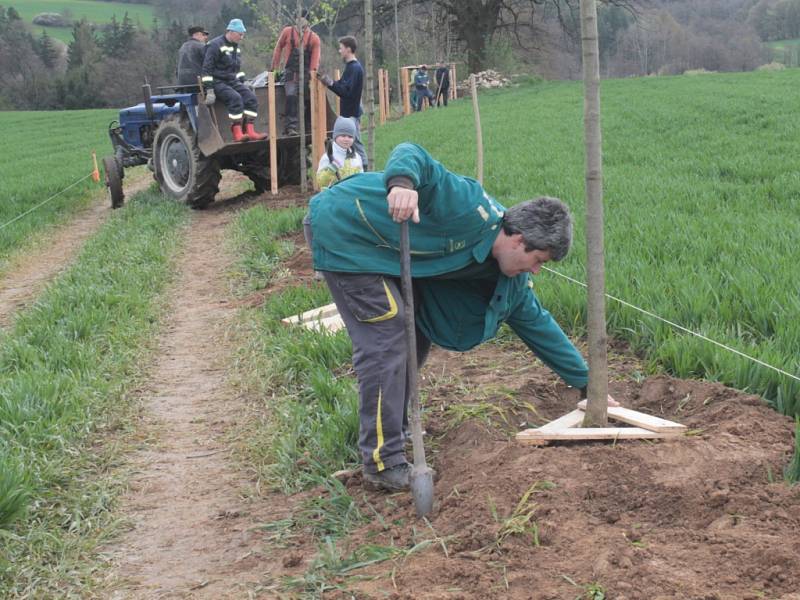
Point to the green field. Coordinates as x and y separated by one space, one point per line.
67 366
94 11
44 153
702 214
701 197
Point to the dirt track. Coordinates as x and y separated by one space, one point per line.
194 514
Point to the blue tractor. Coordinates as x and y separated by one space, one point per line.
186 144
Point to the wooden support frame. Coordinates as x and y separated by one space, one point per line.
324 318
406 82
273 134
567 428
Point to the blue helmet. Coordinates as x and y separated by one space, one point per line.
236 25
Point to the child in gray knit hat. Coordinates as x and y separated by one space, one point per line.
340 159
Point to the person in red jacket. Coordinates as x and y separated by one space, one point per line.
287 50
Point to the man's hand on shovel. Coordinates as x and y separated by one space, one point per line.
403 204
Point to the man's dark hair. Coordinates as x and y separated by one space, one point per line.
545 224
349 42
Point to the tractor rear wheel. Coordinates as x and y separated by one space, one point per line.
114 181
180 168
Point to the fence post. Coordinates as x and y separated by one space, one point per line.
273 134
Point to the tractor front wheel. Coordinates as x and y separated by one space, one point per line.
180 168
114 181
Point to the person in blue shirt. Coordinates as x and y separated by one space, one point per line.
348 87
421 81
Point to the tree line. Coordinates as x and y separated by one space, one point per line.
105 65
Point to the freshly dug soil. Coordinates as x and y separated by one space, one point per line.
704 516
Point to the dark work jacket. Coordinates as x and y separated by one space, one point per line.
348 88
443 77
190 61
223 61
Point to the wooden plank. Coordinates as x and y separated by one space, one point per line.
538 437
571 419
273 134
331 324
314 314
638 419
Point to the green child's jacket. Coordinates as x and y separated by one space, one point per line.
459 222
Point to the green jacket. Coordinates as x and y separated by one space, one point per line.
354 233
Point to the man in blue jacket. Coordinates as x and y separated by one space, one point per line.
223 78
471 263
348 87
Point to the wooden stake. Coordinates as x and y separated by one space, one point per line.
388 100
315 141
301 103
273 134
596 411
337 74
478 131
453 92
322 116
381 97
406 92
369 83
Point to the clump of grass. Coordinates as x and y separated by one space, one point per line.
312 424
65 366
792 471
256 236
521 520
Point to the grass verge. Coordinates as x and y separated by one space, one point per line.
66 367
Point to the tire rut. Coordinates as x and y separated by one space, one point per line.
192 532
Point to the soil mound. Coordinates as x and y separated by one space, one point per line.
704 516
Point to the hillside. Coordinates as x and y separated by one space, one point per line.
94 11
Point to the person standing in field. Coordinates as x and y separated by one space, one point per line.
190 56
287 49
421 81
349 88
472 263
442 83
223 77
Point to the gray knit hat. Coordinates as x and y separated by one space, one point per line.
344 126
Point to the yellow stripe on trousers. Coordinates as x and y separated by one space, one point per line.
376 454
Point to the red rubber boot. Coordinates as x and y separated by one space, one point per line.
252 133
236 130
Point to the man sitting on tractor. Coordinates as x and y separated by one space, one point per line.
223 77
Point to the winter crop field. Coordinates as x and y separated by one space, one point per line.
701 189
44 153
93 11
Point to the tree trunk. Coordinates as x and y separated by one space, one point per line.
301 107
368 82
597 407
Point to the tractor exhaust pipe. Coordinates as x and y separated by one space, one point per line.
148 102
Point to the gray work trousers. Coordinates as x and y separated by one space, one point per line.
373 310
